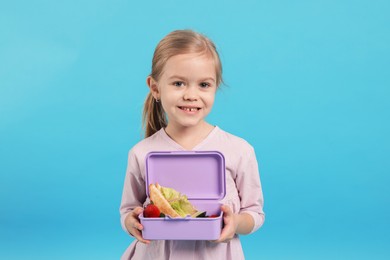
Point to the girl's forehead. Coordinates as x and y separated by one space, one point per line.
191 60
190 65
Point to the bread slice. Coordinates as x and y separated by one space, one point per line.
161 202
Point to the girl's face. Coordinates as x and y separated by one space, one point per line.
186 89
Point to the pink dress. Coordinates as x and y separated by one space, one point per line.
243 194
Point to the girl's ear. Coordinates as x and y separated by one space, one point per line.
152 84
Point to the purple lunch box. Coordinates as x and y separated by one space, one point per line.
200 175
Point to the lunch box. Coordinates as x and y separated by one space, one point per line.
200 175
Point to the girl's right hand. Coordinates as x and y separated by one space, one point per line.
134 226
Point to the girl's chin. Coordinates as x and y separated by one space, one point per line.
189 123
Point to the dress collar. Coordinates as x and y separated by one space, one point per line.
166 137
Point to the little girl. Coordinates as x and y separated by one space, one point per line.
186 73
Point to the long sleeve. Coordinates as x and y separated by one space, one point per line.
249 188
134 192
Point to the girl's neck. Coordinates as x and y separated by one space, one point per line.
189 137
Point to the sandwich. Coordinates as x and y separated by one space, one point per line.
171 202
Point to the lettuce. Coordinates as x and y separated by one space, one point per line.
178 202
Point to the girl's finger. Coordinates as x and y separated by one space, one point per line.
138 226
228 230
224 237
138 235
136 232
137 211
226 210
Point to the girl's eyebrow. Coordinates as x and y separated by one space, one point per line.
209 78
176 77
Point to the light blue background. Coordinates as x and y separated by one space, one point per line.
308 87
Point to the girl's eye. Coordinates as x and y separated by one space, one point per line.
178 83
204 85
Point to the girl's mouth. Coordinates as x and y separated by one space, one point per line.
190 109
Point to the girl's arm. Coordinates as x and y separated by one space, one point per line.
245 223
251 215
249 188
133 196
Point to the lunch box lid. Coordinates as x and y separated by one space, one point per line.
200 175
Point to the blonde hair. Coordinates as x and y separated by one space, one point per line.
175 43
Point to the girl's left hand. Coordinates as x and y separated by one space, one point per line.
230 225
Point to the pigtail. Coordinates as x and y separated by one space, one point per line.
153 116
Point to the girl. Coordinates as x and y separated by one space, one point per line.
186 73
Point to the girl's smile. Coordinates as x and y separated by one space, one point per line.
190 110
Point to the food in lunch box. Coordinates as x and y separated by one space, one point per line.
151 211
171 202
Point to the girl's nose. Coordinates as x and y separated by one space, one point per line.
190 94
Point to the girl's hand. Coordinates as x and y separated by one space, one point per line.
134 226
230 225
